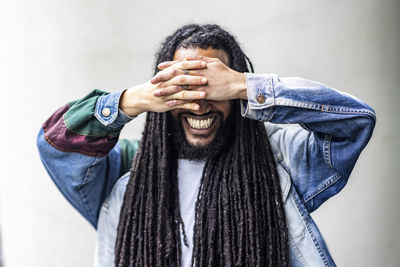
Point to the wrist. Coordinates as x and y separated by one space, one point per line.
130 102
240 86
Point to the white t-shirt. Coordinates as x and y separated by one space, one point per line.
189 178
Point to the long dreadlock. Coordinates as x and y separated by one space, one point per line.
239 214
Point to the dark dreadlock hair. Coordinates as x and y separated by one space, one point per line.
239 214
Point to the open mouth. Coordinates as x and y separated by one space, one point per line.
200 130
200 123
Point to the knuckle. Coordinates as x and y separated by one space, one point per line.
164 92
182 79
183 94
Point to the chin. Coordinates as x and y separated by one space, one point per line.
199 141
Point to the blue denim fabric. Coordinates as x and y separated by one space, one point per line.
84 181
336 127
315 154
117 118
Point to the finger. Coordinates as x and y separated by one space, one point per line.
179 68
191 65
168 74
168 90
187 95
202 58
182 104
186 80
174 89
166 64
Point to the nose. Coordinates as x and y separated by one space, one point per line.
205 107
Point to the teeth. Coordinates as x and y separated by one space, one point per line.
200 124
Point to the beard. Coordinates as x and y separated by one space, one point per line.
219 143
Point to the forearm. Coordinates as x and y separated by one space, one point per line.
296 100
336 119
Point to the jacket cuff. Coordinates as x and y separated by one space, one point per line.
261 96
108 113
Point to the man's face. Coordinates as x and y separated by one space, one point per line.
200 127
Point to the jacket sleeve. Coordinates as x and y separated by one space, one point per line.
330 130
79 148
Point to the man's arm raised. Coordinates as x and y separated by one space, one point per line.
79 145
328 130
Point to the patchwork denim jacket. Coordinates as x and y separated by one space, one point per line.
315 152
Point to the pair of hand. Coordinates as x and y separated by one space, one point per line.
179 84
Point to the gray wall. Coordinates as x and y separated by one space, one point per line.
55 51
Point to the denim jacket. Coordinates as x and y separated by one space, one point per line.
315 152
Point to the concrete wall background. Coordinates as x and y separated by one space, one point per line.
55 51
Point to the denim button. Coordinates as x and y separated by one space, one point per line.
106 112
261 99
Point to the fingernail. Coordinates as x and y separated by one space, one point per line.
204 80
203 64
196 107
157 92
202 94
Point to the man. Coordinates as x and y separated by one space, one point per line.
210 183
